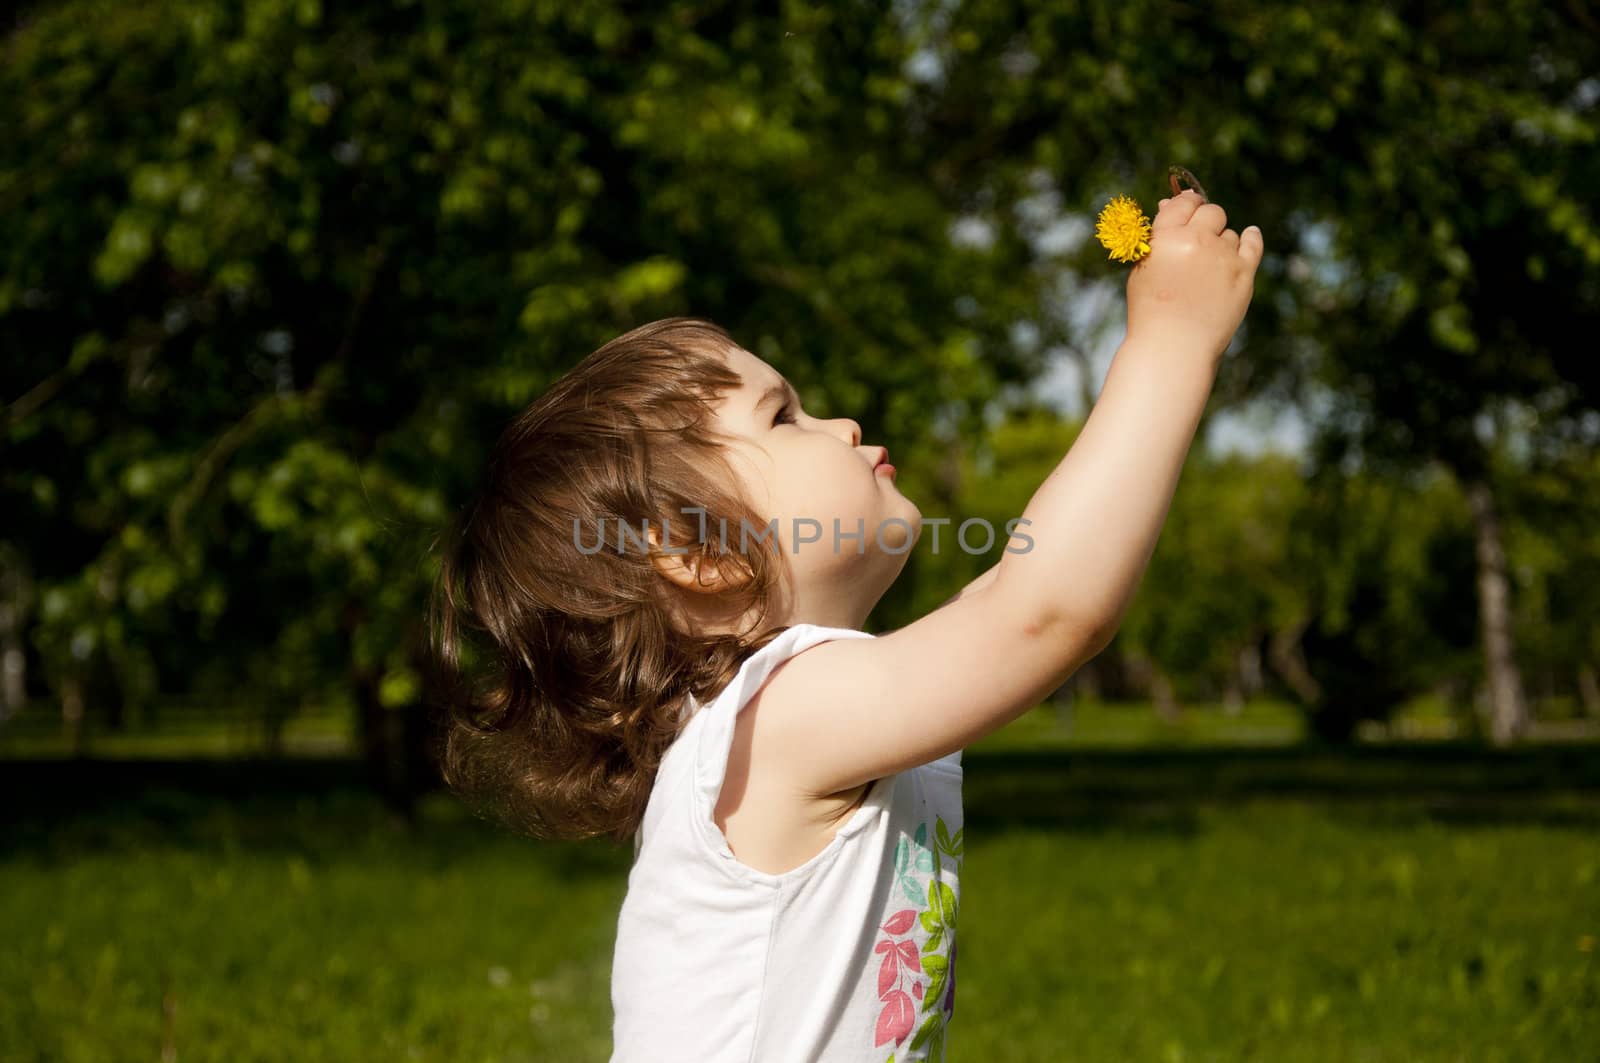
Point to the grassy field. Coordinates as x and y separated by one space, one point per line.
1182 903
203 731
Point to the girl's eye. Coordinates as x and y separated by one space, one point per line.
785 416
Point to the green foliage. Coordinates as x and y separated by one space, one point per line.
1420 177
1447 156
1366 577
1387 566
1554 544
1222 577
277 273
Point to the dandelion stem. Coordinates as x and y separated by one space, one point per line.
1177 173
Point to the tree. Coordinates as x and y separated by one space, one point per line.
1220 582
275 274
1384 564
1420 174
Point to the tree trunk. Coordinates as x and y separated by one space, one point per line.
1156 683
1085 682
383 747
1166 698
273 722
1289 662
72 716
1251 681
381 730
15 593
1589 690
1082 684
1244 678
1232 694
1508 707
109 695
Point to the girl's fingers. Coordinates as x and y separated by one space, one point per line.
1177 210
1231 238
1250 245
1211 217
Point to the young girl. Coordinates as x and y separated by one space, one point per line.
671 564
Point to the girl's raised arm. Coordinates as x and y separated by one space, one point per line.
853 710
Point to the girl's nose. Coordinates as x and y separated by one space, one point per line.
855 431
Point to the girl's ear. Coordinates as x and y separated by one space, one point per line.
687 568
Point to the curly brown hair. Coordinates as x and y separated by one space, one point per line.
582 669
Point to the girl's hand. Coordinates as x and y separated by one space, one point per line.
1196 283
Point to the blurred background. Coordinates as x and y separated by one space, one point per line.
274 274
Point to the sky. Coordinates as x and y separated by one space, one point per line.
1097 314
1250 429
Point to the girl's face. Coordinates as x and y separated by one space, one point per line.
808 473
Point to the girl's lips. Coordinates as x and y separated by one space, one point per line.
882 467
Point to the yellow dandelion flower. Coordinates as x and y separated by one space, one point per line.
1124 230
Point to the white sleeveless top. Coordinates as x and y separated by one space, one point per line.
848 957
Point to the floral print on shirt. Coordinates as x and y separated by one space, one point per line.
905 964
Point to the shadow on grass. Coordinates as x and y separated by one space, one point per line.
322 808
1159 790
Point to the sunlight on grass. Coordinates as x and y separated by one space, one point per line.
1098 724
301 928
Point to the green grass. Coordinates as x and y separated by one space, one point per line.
186 732
201 731
1185 904
1096 724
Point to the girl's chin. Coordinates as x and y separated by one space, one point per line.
901 528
